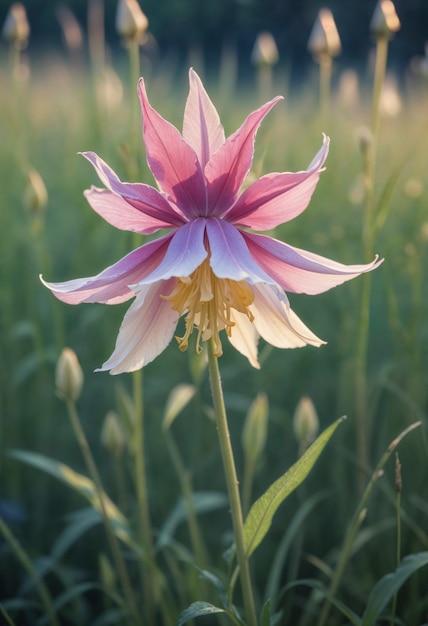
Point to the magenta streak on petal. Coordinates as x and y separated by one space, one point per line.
146 330
172 161
230 257
276 198
202 128
111 286
300 271
185 253
228 167
121 214
142 197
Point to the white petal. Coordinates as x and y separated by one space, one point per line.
277 323
146 330
244 337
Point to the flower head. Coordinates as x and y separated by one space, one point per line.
209 267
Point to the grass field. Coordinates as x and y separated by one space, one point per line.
46 119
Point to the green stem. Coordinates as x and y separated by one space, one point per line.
142 495
111 537
134 74
232 484
325 63
25 561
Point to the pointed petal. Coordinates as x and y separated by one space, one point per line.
202 128
230 257
277 198
244 337
301 271
228 167
277 323
143 198
185 252
146 330
121 214
111 286
173 162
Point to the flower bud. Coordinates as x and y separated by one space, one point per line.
36 196
265 51
385 20
68 376
131 23
305 423
324 40
16 29
112 435
255 428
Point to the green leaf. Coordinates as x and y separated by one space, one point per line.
196 610
387 586
178 399
265 614
84 486
260 516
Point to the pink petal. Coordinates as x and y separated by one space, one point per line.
146 330
185 253
244 337
277 198
144 198
111 286
121 214
230 257
173 162
202 128
228 167
300 271
277 323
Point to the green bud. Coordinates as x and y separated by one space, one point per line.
112 435
131 23
16 29
68 376
324 40
305 423
385 20
36 196
254 432
265 51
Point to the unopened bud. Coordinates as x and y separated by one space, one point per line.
36 196
68 376
16 29
305 423
324 40
131 23
112 435
265 51
398 478
385 20
255 428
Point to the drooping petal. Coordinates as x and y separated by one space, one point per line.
144 198
111 286
172 161
202 128
244 337
121 214
230 257
298 270
146 330
228 167
277 198
277 323
185 253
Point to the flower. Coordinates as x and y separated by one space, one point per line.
209 267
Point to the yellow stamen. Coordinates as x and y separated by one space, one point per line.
208 301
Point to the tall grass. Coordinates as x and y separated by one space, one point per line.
45 120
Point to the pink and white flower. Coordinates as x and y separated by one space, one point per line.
209 267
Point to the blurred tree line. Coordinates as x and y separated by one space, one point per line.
207 25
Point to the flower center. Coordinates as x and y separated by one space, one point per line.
208 302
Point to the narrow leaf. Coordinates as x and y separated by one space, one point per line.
196 610
260 517
387 586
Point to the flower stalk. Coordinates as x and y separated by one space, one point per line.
232 484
